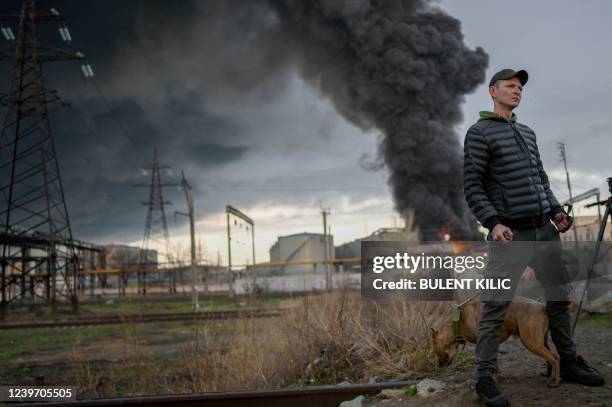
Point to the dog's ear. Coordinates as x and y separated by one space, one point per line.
433 331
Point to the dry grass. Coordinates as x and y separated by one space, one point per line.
137 374
324 339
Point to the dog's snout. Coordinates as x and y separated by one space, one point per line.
443 358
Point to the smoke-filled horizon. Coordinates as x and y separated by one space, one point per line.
211 83
403 68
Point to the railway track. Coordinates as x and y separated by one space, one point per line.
320 396
146 318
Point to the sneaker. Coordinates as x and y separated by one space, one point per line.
487 390
578 371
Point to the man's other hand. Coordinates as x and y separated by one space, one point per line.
528 274
562 222
501 233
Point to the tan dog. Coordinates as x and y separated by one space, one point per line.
525 320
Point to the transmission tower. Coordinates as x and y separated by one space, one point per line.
37 245
156 227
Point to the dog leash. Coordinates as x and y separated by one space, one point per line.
456 318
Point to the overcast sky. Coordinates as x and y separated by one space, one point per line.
193 79
560 44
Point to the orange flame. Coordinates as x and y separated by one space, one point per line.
445 235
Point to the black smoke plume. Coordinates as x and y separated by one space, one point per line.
400 66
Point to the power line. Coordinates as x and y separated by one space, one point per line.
281 189
112 111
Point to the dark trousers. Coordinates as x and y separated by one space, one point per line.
539 248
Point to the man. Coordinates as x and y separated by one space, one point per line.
508 191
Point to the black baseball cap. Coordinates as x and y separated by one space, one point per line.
508 74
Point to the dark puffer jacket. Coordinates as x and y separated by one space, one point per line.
503 178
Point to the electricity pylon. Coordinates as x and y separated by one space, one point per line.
156 226
37 245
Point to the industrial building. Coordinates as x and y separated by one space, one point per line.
124 256
409 233
301 247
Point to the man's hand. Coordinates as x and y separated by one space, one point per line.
501 233
563 222
528 274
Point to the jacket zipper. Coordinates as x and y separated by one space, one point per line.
525 149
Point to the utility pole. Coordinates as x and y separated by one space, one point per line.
253 241
561 147
200 260
328 279
195 304
229 256
32 201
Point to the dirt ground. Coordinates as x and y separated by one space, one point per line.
520 378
